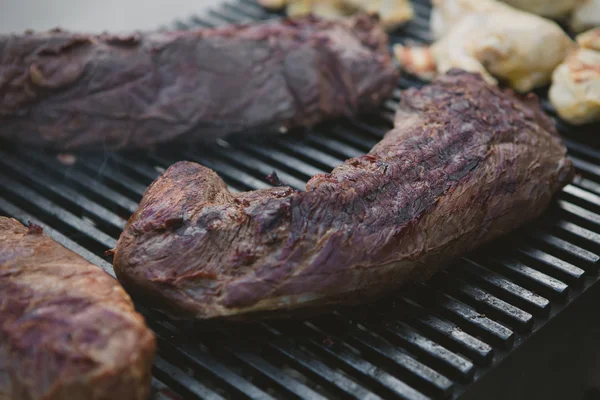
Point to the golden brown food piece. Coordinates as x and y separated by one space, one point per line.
392 13
68 331
493 39
272 4
575 91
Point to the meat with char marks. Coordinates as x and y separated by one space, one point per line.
465 163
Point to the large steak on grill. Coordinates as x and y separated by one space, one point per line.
71 91
465 163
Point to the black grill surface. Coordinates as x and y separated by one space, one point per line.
432 340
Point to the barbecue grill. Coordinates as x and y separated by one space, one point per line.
513 320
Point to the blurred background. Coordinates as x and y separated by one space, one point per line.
95 15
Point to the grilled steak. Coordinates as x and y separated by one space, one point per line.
67 329
465 163
72 91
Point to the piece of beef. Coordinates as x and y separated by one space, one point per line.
465 163
71 91
67 329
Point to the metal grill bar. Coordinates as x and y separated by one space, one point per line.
479 351
182 381
88 185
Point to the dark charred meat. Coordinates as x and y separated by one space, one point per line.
67 329
465 163
70 91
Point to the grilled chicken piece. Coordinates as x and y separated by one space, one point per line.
68 331
491 38
586 16
465 163
392 13
575 91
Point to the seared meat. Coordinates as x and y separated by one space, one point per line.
492 38
465 163
575 90
68 331
72 91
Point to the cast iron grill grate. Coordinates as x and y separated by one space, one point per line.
429 341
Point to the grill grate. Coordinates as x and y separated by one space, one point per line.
432 340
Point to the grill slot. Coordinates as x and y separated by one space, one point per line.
335 350
506 288
501 310
77 227
335 380
452 364
63 195
467 317
182 381
88 185
432 340
535 279
455 338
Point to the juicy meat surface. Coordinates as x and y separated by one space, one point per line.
71 91
67 329
465 163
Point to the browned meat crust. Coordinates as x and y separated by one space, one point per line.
465 163
71 91
67 329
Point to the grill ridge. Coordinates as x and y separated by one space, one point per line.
430 341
